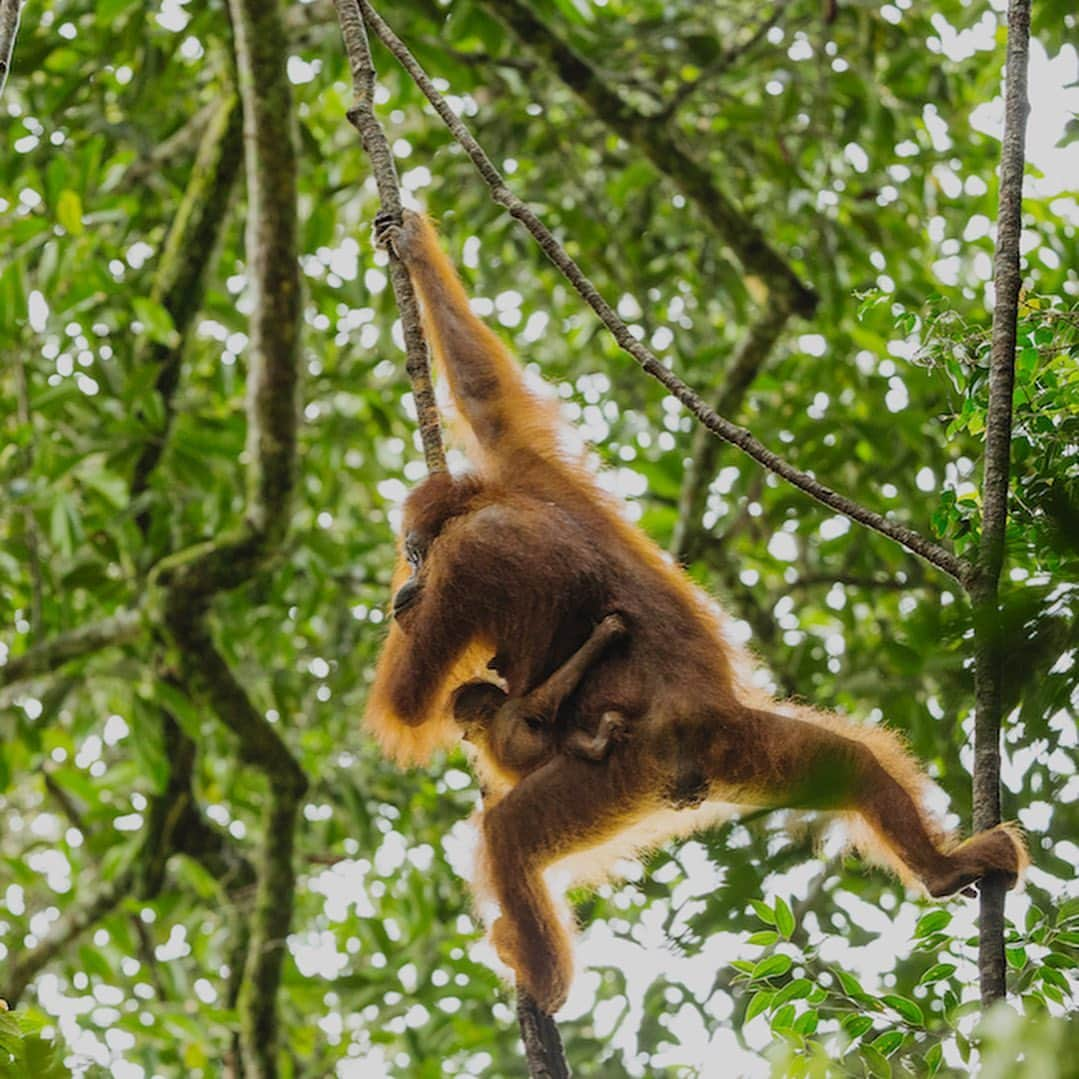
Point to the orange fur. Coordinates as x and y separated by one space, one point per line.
525 557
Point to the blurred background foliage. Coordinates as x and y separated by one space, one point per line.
854 135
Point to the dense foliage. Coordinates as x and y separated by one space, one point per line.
854 137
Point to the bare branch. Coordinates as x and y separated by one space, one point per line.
544 1053
989 653
9 29
376 146
722 428
65 647
853 580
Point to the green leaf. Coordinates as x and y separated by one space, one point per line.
156 321
1017 957
60 529
851 986
760 1001
772 966
937 972
796 989
109 11
889 1042
69 212
1068 912
934 1057
857 1025
12 296
784 918
764 912
783 1019
932 922
878 1064
907 1008
180 706
765 938
148 743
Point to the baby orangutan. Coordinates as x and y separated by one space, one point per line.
518 734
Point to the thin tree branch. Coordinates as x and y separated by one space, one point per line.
273 367
362 117
727 58
25 967
31 532
180 279
852 580
9 29
204 670
65 647
932 552
544 1054
751 356
184 140
659 141
989 653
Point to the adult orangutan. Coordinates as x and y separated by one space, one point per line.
513 567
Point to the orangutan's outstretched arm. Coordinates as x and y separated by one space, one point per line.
509 421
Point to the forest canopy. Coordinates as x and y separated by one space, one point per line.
206 866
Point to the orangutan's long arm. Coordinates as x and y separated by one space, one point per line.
509 421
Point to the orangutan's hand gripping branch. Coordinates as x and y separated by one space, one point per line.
521 560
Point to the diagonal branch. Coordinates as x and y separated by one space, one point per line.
658 140
722 428
9 29
207 675
362 117
989 652
25 967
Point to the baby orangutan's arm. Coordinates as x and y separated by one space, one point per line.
541 705
516 731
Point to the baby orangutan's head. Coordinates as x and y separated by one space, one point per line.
474 705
